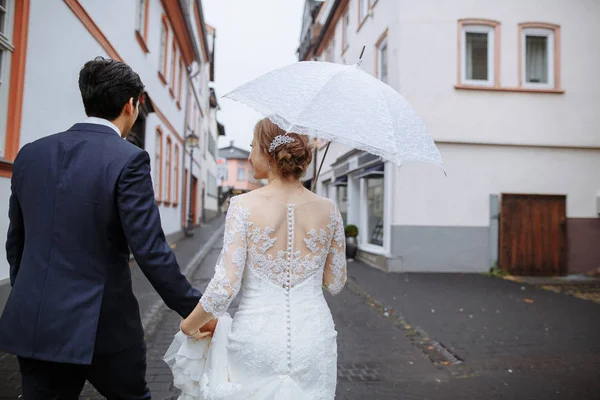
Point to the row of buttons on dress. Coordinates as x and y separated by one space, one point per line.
290 248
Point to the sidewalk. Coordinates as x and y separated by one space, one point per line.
189 252
580 286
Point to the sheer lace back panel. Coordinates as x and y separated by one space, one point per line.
285 244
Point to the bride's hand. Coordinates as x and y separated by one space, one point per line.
196 334
209 327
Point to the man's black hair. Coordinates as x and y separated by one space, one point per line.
106 86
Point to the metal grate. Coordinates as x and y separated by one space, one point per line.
359 372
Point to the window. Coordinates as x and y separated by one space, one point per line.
222 172
375 195
342 201
212 145
363 11
329 52
382 58
538 46
158 164
168 170
176 175
163 56
140 17
241 174
6 49
174 67
333 50
180 81
346 31
478 54
211 185
141 23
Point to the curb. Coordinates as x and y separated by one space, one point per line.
154 314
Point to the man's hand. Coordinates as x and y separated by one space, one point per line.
210 326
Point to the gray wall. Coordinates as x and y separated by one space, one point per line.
440 249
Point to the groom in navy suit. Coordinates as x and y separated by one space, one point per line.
79 200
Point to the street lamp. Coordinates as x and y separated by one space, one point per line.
191 142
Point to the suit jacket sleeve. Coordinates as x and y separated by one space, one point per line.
15 238
141 223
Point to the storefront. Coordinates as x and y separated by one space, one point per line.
362 184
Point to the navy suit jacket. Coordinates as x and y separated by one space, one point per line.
79 200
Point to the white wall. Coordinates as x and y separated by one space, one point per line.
427 64
119 28
424 196
422 46
51 100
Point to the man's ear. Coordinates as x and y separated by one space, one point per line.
130 107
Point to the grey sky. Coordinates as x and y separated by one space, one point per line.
253 37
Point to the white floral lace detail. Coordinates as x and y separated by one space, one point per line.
226 282
336 260
272 348
315 239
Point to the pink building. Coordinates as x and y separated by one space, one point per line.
235 171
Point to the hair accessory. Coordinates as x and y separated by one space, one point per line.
279 140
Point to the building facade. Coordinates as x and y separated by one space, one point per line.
44 44
508 92
236 174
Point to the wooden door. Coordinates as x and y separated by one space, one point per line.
533 235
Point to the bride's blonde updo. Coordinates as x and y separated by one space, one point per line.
291 159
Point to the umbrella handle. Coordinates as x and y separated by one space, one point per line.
314 184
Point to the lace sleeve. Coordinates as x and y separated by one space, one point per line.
334 275
226 282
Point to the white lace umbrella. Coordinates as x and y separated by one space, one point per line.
344 104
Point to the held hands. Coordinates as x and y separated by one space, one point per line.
205 331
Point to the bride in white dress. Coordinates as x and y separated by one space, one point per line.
282 245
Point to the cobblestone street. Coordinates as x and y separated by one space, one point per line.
428 336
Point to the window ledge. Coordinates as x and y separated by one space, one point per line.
373 249
171 92
509 89
5 169
360 25
162 78
142 42
167 203
175 204
178 105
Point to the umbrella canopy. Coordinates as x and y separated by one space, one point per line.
344 104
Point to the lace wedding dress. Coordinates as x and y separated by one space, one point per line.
282 342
